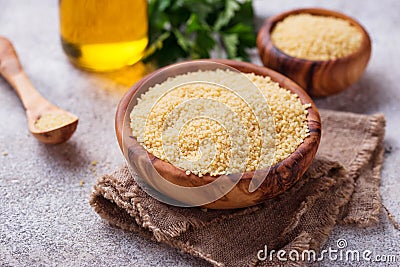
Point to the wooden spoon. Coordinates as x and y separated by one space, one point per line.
47 122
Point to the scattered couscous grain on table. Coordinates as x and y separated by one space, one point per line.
206 128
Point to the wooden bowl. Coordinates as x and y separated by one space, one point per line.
280 177
318 78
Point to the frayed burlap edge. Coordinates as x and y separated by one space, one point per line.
392 219
371 151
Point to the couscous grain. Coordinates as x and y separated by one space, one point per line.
205 128
316 37
51 121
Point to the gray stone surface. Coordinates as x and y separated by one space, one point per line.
45 218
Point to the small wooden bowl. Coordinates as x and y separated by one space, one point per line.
319 78
280 177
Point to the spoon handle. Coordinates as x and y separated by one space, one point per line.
12 71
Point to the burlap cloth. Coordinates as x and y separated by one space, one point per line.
341 186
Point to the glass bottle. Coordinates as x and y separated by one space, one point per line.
103 35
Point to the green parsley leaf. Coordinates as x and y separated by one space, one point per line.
182 29
230 42
230 8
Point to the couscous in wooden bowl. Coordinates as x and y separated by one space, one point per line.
318 77
154 172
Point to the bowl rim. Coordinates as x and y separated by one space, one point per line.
269 24
310 143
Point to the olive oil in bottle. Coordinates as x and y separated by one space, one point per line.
103 35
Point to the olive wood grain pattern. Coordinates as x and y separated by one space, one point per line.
318 77
280 177
34 103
